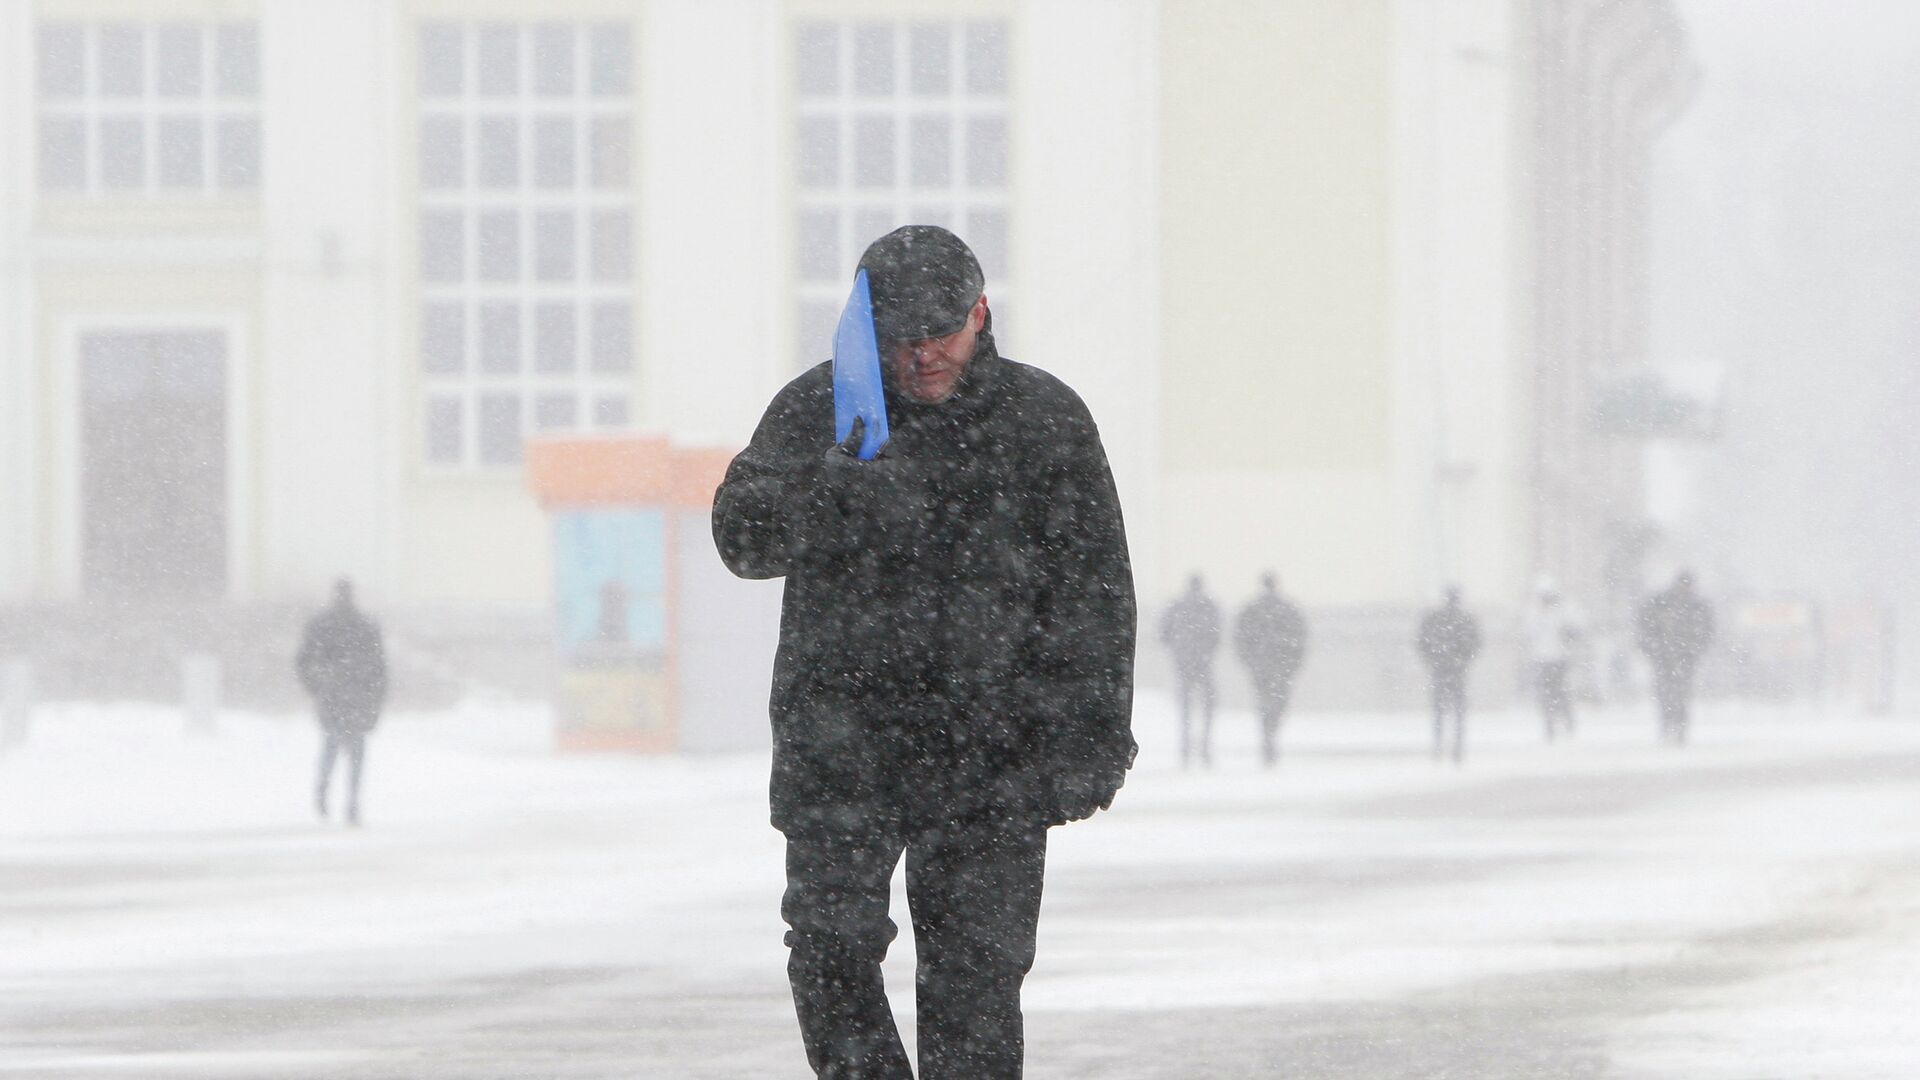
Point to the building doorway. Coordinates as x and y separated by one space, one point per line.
153 465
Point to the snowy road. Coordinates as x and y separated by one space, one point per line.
1748 908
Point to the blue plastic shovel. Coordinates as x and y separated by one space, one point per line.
857 391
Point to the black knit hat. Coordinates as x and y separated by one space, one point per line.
924 281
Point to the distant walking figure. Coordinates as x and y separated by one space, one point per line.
1271 637
343 666
1190 629
1449 639
1551 632
1674 627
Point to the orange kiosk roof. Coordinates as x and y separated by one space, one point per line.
623 471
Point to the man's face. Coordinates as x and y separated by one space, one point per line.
928 370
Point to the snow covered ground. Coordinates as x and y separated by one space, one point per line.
1747 908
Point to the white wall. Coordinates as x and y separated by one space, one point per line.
334 393
19 479
1459 421
1086 237
713 228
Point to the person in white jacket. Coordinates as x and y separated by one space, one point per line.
1551 633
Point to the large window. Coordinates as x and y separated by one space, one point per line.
148 107
526 240
899 123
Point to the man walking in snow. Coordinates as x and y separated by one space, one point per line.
343 665
1271 637
1674 627
1190 629
955 669
1449 640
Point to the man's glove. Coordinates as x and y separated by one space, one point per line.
1077 793
869 505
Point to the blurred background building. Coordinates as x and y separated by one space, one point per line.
286 289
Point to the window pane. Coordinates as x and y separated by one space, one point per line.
816 323
873 151
819 244
987 57
556 346
553 412
870 223
816 58
612 337
987 151
443 339
609 412
987 235
933 215
818 152
123 153
873 60
499 74
553 59
612 245
445 433
930 59
63 153
553 247
443 246
179 59
612 152
237 60
553 151
499 245
611 70
440 60
499 429
499 152
182 153
63 60
123 61
442 155
932 151
238 152
499 338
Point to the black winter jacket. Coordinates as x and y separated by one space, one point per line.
957 633
343 664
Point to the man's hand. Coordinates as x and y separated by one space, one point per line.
873 505
1078 794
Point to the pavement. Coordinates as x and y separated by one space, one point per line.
1746 908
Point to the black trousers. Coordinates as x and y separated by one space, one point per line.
973 889
1450 712
355 748
1195 686
1272 695
1556 701
1673 689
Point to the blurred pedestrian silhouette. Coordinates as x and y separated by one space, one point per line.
1190 629
1271 637
1674 627
1551 633
343 665
1449 639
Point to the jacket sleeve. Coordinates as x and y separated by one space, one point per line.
760 507
1080 681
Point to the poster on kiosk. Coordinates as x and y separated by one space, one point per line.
617 507
610 592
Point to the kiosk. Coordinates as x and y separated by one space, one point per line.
630 542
